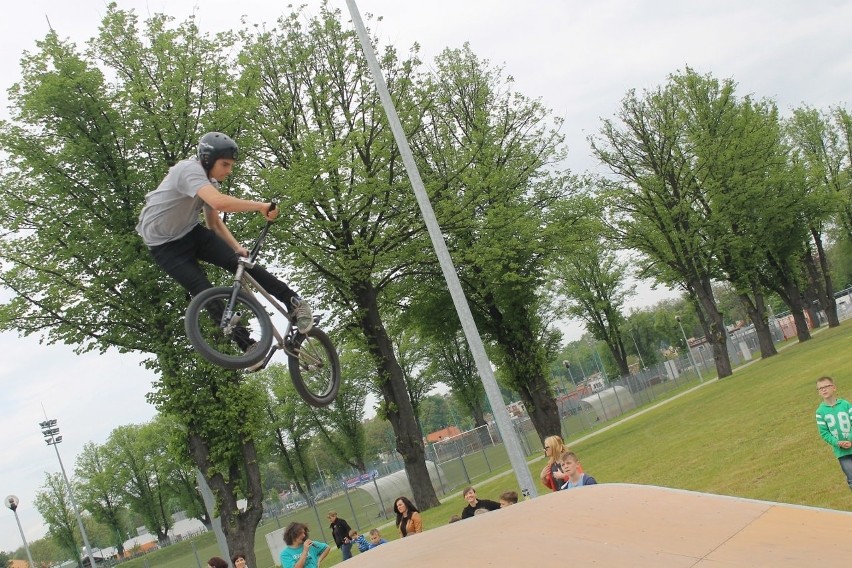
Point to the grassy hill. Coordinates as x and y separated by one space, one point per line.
749 435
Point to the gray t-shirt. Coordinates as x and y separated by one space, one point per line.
171 211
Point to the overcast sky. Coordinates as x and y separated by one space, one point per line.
579 57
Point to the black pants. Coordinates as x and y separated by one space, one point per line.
180 258
180 261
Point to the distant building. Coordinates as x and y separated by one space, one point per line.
443 434
516 409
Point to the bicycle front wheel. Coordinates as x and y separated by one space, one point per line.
316 371
243 342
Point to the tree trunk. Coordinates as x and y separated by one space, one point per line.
789 292
397 404
812 292
756 311
714 325
239 526
525 361
827 290
538 399
616 348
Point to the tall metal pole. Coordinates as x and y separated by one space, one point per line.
570 374
12 502
636 345
483 365
50 431
316 462
689 351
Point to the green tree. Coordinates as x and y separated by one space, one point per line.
412 354
54 505
452 363
821 149
340 425
490 157
45 552
100 492
90 134
657 205
137 461
320 132
740 160
593 281
291 426
435 413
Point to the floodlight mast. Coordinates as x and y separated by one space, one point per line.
49 430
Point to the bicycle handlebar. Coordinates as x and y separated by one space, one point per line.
262 237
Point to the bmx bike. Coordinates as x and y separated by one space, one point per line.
229 327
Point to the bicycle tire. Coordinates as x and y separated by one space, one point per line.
316 371
208 339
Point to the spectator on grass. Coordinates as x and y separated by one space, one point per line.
473 503
340 534
408 519
360 540
217 562
551 474
834 422
508 498
574 473
376 539
301 551
239 560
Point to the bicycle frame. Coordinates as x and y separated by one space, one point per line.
241 278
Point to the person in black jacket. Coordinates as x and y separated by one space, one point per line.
340 533
473 503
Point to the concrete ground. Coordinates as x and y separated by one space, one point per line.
630 525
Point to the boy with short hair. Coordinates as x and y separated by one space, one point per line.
473 504
834 422
508 498
572 469
376 538
360 540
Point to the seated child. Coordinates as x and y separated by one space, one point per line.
376 538
574 472
508 498
360 540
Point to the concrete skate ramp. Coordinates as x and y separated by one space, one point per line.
629 525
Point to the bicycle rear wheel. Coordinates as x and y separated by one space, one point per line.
243 343
316 371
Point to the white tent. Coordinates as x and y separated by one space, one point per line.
396 484
611 402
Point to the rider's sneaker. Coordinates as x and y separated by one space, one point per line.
303 315
243 339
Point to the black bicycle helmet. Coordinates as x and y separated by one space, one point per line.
215 145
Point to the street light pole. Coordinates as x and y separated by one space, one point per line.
12 502
689 351
50 430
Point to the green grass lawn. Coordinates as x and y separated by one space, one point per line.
749 435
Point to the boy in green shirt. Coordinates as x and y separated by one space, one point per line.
834 421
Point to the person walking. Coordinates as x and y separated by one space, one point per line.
340 530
